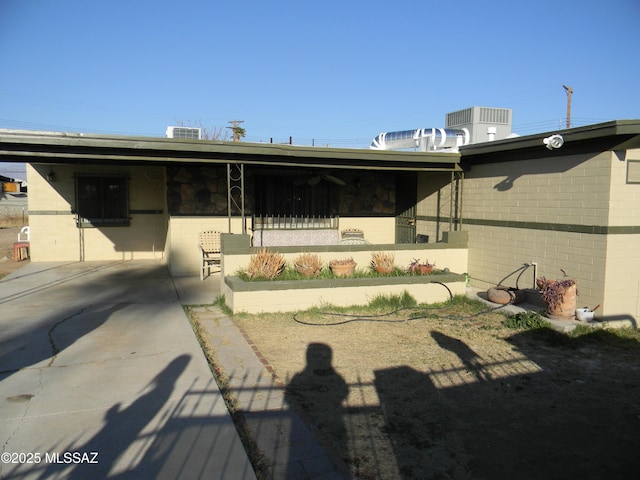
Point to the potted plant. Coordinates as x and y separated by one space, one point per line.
382 262
560 296
417 268
265 264
308 264
343 268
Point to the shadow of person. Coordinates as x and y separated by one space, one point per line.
320 391
123 426
470 359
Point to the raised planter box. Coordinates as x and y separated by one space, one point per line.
294 295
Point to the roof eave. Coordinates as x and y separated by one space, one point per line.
62 147
615 135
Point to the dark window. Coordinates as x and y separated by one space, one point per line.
102 200
298 196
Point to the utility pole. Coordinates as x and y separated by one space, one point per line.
569 91
236 129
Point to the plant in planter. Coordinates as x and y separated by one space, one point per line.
417 268
265 264
343 268
308 264
559 296
382 262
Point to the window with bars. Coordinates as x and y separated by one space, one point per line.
303 196
102 200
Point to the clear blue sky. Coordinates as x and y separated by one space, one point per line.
335 72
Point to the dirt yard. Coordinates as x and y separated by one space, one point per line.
7 237
450 394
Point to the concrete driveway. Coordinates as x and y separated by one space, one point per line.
101 377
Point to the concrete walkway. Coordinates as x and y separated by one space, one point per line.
101 376
292 449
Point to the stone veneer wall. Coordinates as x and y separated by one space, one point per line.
202 190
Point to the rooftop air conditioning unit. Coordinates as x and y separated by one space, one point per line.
184 132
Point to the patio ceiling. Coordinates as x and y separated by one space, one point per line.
79 148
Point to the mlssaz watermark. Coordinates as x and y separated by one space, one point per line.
49 457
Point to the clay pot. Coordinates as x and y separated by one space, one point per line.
384 270
505 295
565 310
422 269
343 270
307 271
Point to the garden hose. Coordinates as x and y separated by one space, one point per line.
379 318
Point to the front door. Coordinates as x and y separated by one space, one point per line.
406 198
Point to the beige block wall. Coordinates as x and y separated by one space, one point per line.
55 236
548 192
625 197
292 300
182 241
456 259
588 190
622 292
496 254
567 190
378 230
622 289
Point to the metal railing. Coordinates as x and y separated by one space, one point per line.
294 222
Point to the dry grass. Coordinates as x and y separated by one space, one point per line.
366 347
13 220
446 391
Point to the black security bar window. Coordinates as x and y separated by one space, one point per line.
102 200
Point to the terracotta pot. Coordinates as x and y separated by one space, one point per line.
345 270
307 271
505 295
565 310
422 269
383 270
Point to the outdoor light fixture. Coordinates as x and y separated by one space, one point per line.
554 141
51 176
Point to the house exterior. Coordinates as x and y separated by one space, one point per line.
95 197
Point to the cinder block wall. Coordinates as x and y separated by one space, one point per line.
183 254
570 213
622 287
55 236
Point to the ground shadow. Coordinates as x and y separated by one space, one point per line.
320 391
72 303
570 419
123 426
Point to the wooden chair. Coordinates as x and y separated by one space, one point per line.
209 251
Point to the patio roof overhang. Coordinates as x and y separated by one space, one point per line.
618 135
79 148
